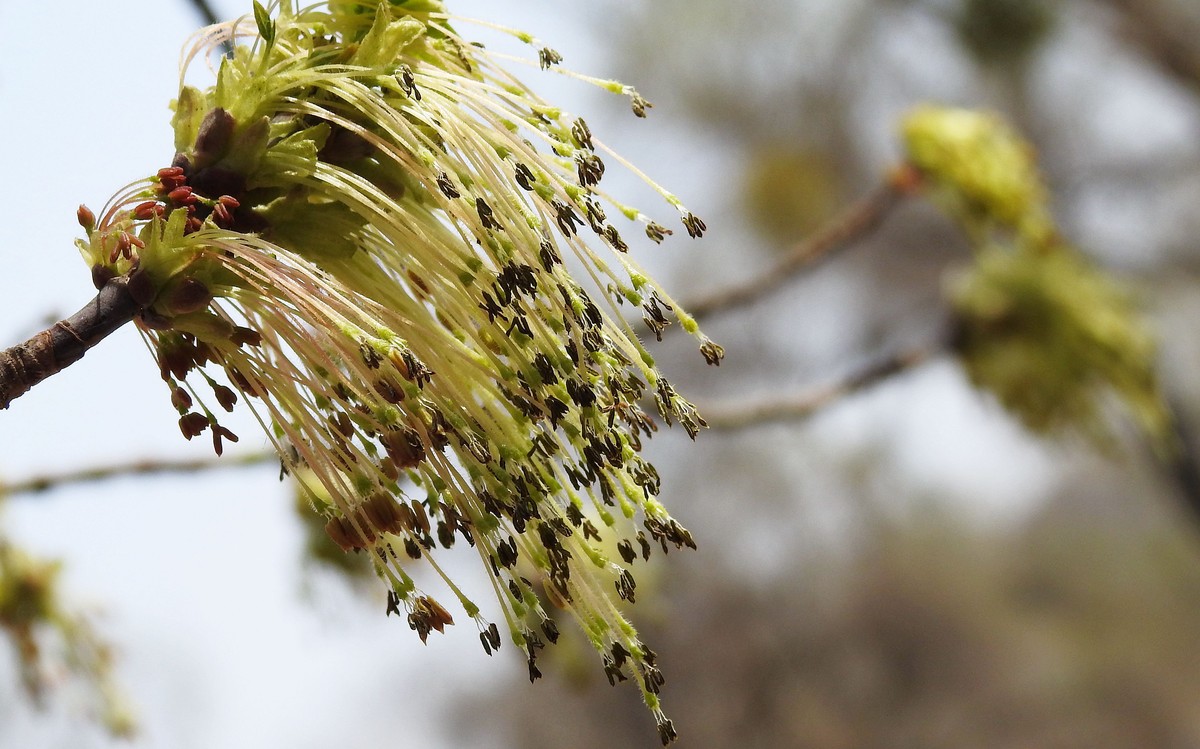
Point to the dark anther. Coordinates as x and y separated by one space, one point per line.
446 186
370 356
193 424
695 225
525 177
639 104
654 317
393 603
625 549
589 168
486 217
712 353
243 336
666 731
626 586
225 396
408 82
657 232
548 255
582 134
581 393
181 196
218 433
613 237
548 57
550 629
557 409
566 217
645 544
595 215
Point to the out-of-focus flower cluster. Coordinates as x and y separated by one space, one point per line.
52 643
385 244
1049 334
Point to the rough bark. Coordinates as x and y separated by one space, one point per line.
65 342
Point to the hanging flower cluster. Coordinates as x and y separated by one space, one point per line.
1041 328
366 233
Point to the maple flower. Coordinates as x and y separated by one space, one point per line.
365 236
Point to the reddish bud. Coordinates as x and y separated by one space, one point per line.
85 217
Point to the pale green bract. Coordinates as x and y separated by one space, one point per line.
363 235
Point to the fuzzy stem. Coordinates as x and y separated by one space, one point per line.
65 342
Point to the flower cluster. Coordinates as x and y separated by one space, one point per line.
1041 328
366 233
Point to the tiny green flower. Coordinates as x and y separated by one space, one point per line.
365 236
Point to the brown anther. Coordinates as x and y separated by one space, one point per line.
193 424
181 400
228 201
85 217
243 336
182 196
218 433
192 224
383 513
221 216
148 210
243 383
420 519
226 397
388 390
404 447
346 536
136 242
388 469
343 425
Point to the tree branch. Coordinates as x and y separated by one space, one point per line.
64 343
1156 31
854 223
206 12
744 414
36 484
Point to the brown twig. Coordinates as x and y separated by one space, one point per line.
855 222
65 342
36 484
1155 30
744 414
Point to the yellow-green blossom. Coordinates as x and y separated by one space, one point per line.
1047 333
981 171
365 233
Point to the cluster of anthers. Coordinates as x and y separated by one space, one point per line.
363 236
